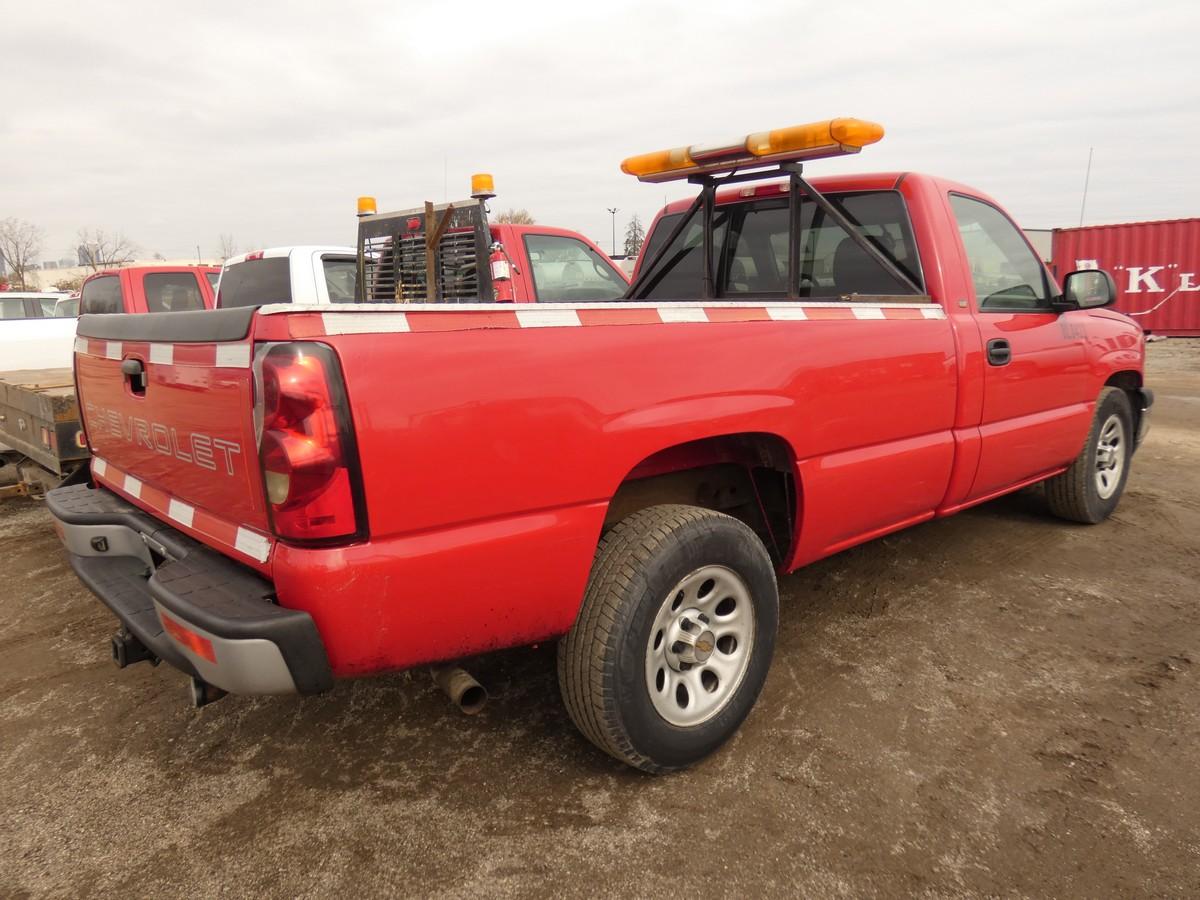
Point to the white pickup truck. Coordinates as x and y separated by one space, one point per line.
303 274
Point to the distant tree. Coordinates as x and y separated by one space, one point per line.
228 247
635 236
512 216
20 244
70 283
158 255
98 249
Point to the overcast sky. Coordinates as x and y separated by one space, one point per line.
176 124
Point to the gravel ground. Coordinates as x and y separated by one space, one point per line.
993 704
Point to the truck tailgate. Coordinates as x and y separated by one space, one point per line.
170 420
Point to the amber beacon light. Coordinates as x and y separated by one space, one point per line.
816 140
483 187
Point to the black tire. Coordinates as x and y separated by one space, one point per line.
1075 495
602 660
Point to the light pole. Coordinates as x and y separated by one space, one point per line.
613 210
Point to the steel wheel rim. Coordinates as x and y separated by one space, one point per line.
1110 456
699 646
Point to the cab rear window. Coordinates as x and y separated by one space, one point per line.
255 282
102 295
172 292
750 248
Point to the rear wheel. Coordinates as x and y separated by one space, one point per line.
1090 490
674 637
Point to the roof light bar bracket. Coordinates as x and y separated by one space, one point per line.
852 229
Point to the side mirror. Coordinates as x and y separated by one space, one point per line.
1086 289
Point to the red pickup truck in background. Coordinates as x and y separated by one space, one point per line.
476 260
149 289
287 495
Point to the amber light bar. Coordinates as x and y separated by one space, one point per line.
816 140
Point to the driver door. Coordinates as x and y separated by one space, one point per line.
1035 405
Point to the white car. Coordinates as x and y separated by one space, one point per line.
33 335
306 274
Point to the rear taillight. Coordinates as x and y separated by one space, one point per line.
306 448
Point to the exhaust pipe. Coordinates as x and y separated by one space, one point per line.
464 691
204 693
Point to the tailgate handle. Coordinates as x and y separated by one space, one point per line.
135 374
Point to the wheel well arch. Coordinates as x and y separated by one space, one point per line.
1127 380
1130 381
748 475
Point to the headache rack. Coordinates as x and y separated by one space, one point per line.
448 245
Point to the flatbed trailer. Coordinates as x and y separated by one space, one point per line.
41 436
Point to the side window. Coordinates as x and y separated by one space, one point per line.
213 278
172 292
566 270
46 305
341 278
1006 273
12 308
101 295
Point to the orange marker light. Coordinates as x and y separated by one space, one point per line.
188 639
366 206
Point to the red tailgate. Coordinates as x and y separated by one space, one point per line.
171 426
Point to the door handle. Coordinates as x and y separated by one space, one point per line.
999 353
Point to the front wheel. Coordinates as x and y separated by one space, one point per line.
673 639
1090 490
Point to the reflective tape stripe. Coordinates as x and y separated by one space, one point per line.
364 323
547 318
252 544
867 312
181 512
162 354
682 314
787 313
233 356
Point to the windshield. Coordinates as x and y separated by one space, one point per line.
566 270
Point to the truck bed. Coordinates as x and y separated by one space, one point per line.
39 417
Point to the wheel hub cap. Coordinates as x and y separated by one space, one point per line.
700 645
690 640
1110 456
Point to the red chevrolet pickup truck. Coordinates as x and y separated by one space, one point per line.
286 495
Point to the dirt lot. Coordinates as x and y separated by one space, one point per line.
991 704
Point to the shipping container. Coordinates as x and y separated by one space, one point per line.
1156 266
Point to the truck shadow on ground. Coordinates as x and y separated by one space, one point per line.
400 729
